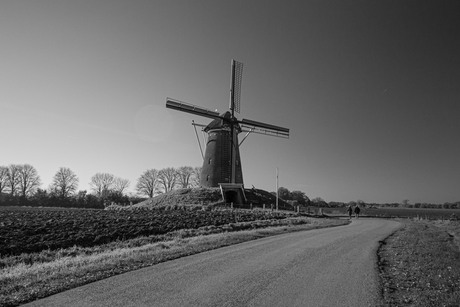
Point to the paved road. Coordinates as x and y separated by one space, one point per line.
324 267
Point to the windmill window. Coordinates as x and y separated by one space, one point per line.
207 178
209 162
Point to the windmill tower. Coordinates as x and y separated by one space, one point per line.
221 161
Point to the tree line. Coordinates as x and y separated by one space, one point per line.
303 200
153 182
20 184
403 204
298 197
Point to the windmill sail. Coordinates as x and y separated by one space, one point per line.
190 108
264 128
235 90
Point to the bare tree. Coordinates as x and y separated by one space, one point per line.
13 178
147 184
65 182
3 178
184 174
102 183
168 178
29 180
120 185
195 179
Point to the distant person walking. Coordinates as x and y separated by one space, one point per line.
350 211
357 210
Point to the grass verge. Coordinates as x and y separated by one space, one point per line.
420 264
28 277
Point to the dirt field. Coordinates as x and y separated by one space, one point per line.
25 230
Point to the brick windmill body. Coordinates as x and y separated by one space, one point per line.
221 160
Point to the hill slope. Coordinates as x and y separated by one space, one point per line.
211 197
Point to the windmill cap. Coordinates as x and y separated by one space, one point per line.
223 122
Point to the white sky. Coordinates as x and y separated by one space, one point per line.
369 90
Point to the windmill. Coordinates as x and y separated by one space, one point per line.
221 161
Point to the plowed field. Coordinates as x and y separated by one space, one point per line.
25 230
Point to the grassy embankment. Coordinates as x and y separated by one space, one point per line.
420 264
31 276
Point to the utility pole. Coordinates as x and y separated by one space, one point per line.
277 196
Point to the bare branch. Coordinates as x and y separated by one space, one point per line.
102 183
148 182
3 178
13 178
195 179
168 178
65 182
120 185
184 174
29 180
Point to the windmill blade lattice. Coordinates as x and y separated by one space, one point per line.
237 78
190 108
